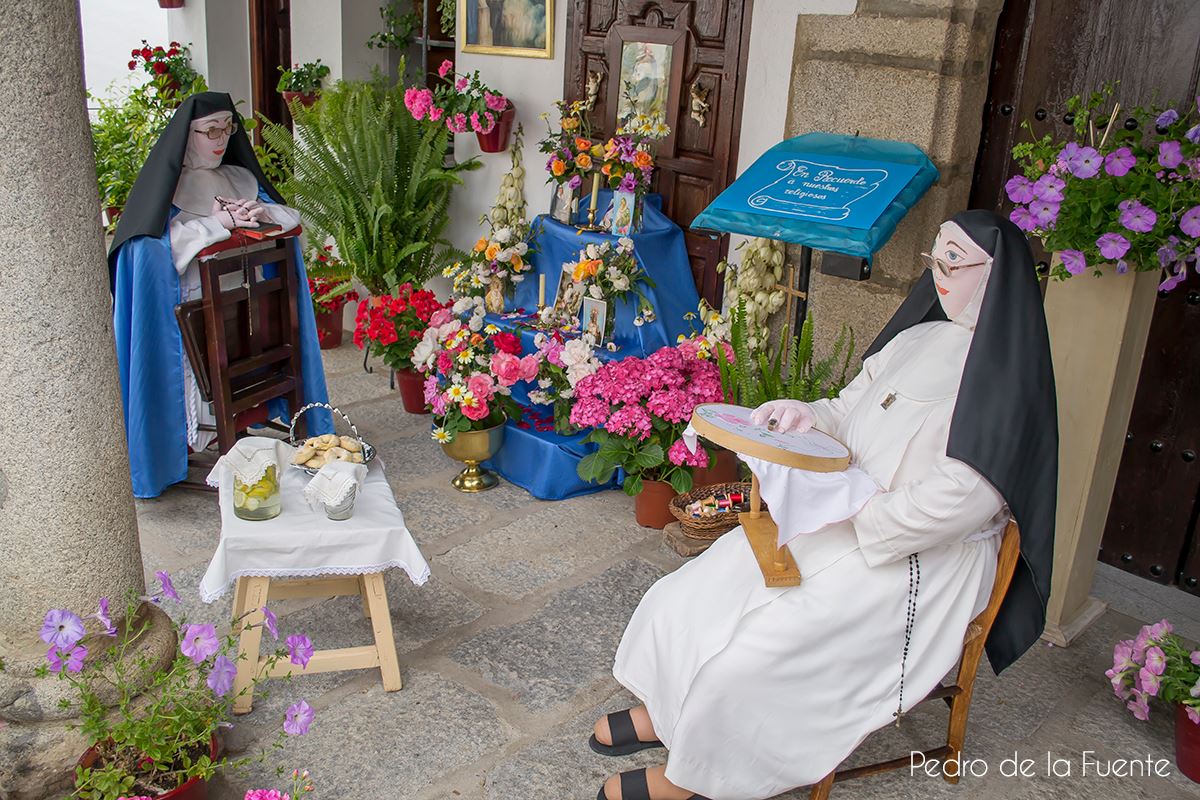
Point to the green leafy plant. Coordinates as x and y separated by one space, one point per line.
398 29
304 78
785 370
371 177
447 11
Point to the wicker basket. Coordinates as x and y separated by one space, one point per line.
711 527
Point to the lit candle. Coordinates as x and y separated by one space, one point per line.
541 291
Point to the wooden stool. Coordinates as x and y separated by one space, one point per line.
958 694
252 594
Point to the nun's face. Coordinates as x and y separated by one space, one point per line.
956 265
208 139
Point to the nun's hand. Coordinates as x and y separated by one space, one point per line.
784 416
231 214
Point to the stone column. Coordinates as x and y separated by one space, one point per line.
910 71
68 532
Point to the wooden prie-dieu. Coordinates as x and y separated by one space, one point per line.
729 426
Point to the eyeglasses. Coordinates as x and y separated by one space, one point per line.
216 133
945 268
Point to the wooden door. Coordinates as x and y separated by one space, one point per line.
270 49
1047 51
700 158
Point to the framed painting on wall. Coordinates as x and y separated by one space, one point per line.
649 64
507 27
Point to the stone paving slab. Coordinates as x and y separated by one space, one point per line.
433 512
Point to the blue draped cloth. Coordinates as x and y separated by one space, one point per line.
150 358
543 462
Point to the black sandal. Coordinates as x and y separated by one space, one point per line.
624 737
634 787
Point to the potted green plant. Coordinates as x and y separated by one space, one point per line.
152 727
372 178
302 82
170 69
462 103
330 286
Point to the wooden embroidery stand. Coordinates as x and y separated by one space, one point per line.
729 426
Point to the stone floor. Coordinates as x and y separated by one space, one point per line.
506 652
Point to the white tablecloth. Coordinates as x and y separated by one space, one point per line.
805 502
305 543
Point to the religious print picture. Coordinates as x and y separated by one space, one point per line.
569 295
623 204
592 319
645 81
507 27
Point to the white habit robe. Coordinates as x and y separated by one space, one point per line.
756 691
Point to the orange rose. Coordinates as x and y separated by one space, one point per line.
557 167
492 251
481 244
582 144
517 263
583 161
642 159
570 124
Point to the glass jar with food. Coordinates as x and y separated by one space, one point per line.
259 500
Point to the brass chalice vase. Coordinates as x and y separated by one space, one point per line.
472 447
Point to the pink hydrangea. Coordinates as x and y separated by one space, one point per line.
589 411
673 405
680 455
632 421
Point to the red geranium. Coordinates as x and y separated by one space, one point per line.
391 325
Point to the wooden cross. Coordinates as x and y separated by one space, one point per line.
790 306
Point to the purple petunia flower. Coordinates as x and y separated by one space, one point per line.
300 649
1195 690
1019 189
71 659
1044 213
220 677
1195 657
1156 660
199 642
1167 254
1049 188
1022 218
1169 154
62 628
1167 118
1073 261
1149 681
575 182
1193 714
1190 222
1139 706
1119 162
271 622
628 183
1122 267
298 718
1112 245
1193 134
1085 163
1137 217
1175 278
168 588
105 618
1070 150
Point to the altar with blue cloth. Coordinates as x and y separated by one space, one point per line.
541 461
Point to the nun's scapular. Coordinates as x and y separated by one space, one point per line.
755 690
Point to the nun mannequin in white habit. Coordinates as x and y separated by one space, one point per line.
755 691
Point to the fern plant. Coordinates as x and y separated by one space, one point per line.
785 370
372 178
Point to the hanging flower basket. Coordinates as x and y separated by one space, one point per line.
170 3
496 140
306 98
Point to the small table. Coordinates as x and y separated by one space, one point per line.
301 553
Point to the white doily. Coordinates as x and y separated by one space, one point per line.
335 482
249 458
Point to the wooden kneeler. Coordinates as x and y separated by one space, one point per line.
957 694
252 594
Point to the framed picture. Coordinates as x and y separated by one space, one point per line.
568 296
649 64
593 318
507 27
623 205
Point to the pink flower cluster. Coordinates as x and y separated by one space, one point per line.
266 794
509 368
626 397
419 102
1141 666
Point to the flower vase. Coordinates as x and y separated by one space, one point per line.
496 140
651 506
411 385
493 301
194 789
329 329
472 447
1187 744
564 204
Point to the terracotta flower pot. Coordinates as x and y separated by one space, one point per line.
721 469
306 98
496 141
329 330
170 3
411 385
195 789
650 505
1187 744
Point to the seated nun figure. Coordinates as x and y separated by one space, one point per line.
755 691
200 181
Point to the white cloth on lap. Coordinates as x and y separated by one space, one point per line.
303 543
802 501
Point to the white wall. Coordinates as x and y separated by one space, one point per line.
218 32
336 31
111 28
533 84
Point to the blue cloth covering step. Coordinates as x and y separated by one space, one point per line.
543 462
150 358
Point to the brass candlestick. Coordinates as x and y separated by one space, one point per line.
591 223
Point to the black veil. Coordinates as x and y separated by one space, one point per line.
1005 422
149 203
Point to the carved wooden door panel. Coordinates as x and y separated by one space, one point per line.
700 158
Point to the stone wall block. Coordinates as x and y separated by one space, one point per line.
910 40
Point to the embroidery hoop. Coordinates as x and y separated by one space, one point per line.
729 426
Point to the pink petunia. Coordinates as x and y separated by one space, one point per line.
445 67
1139 706
1156 660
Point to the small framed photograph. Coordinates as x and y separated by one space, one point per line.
507 27
623 205
650 77
568 296
593 318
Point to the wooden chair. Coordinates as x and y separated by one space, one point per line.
957 694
